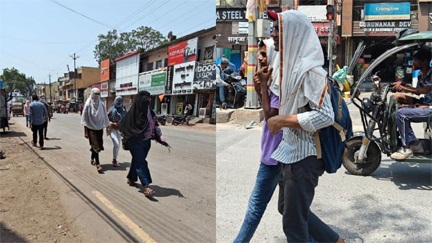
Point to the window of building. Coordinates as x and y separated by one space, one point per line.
158 64
149 66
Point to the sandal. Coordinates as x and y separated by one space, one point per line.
148 192
114 163
131 183
99 168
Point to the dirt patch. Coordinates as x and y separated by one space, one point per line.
30 206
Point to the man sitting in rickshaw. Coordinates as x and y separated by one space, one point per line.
413 109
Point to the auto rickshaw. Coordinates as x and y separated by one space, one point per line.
377 112
17 109
4 114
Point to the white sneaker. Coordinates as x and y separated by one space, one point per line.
402 154
417 149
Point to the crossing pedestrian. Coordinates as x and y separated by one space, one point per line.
267 88
305 107
138 128
95 119
115 115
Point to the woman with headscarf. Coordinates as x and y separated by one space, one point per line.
138 128
95 119
266 86
115 115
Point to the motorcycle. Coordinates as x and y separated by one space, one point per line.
161 119
235 95
377 113
180 119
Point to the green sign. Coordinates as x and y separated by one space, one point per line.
158 79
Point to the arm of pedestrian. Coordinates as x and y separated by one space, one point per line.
85 132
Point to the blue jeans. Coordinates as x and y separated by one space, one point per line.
404 117
221 89
139 166
266 181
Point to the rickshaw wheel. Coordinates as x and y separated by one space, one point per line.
372 162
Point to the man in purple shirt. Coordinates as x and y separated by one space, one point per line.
269 170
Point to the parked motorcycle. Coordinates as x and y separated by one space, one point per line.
236 94
161 119
377 112
180 119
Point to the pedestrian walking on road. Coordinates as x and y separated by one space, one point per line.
305 107
138 128
267 88
115 115
38 116
27 111
45 125
95 119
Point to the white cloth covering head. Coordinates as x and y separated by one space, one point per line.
302 78
273 61
94 115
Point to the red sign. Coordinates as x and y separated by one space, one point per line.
322 29
185 51
105 70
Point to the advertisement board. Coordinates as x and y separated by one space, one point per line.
104 89
169 80
127 74
105 70
185 51
183 78
152 81
387 11
205 76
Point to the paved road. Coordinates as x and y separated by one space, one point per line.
391 205
106 209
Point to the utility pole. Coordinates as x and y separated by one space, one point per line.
74 57
251 96
49 75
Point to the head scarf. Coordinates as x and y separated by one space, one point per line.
302 78
117 111
94 114
136 122
273 61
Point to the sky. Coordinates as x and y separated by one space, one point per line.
38 37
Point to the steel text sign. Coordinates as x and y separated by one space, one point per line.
387 11
230 14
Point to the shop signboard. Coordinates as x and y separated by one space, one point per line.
183 78
105 70
387 11
205 76
231 14
104 89
384 27
169 80
322 29
152 81
127 69
185 51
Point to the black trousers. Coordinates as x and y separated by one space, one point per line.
38 129
45 128
300 224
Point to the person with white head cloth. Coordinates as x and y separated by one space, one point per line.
305 107
95 119
269 170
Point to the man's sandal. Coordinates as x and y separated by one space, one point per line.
148 192
99 168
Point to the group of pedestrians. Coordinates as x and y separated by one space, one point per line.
133 129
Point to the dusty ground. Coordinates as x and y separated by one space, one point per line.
30 206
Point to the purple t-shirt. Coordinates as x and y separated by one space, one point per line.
270 142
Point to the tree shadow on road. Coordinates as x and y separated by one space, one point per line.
407 176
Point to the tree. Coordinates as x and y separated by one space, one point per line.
14 80
114 45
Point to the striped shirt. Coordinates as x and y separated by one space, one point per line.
298 144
